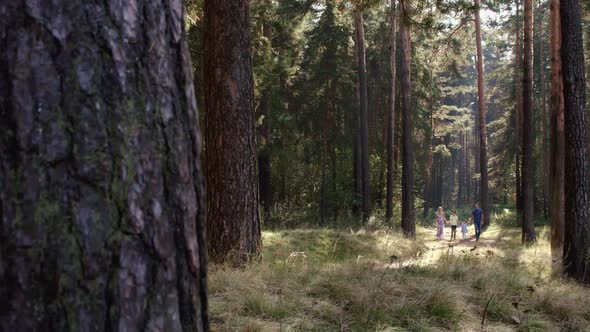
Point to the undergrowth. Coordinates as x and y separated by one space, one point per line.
326 280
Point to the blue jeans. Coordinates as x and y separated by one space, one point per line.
477 225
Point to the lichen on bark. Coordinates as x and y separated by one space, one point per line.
101 186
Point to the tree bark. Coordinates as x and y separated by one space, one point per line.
408 210
264 169
556 173
102 216
364 125
230 150
391 118
483 140
528 165
577 229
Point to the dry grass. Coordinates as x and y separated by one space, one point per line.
348 282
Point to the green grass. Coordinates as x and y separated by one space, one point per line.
348 283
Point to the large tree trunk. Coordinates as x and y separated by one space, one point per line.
483 140
102 215
391 118
264 169
577 229
557 136
230 150
528 165
408 211
364 124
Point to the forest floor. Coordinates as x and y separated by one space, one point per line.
331 280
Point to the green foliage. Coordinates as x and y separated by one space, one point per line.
307 71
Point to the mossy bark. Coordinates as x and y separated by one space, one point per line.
101 186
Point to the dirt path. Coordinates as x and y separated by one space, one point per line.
492 242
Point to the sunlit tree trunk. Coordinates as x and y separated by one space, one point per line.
557 136
408 210
102 216
528 164
483 140
576 244
364 124
391 117
230 150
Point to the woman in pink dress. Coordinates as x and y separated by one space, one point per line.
440 220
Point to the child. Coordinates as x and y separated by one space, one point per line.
464 229
453 220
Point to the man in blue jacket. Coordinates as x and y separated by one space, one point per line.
478 220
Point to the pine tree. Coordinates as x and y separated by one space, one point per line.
528 164
101 185
576 243
233 222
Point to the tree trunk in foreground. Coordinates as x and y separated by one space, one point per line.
576 243
483 140
528 164
557 136
102 214
408 211
391 118
230 152
364 122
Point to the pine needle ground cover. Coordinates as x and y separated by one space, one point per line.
327 280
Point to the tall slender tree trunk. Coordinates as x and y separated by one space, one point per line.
391 117
556 173
102 216
364 132
264 169
461 164
528 165
428 187
483 140
468 174
324 183
230 151
577 229
518 115
357 167
545 116
408 210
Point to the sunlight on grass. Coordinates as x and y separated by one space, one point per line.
356 281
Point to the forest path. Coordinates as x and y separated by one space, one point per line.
495 241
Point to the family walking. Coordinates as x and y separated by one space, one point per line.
476 220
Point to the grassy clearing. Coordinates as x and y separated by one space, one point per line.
348 282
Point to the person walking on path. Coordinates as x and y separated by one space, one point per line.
464 229
478 220
454 220
441 220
